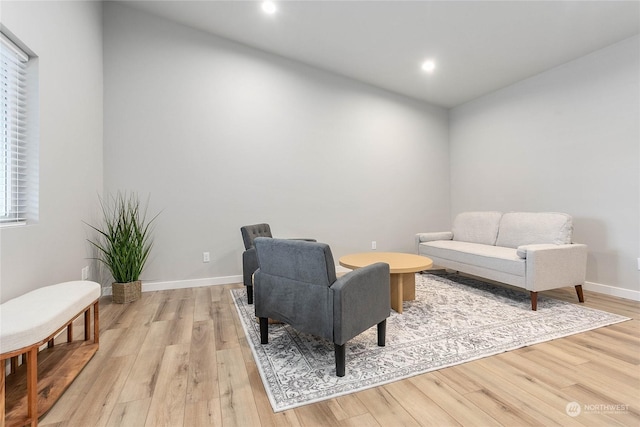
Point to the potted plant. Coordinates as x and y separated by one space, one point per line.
123 243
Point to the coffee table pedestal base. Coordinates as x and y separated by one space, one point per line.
403 288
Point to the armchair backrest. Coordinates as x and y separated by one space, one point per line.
251 232
297 260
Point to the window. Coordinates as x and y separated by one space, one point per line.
14 167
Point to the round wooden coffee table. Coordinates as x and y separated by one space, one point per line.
402 268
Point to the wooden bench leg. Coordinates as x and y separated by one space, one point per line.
87 323
2 393
579 292
96 323
32 385
534 301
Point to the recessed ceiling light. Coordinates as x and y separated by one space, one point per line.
428 66
269 7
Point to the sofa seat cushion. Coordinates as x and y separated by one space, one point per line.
492 257
532 228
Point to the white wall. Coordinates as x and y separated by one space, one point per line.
222 135
67 38
566 140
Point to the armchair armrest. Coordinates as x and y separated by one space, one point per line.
550 266
361 299
249 265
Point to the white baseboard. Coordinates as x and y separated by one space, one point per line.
227 280
193 283
612 290
181 284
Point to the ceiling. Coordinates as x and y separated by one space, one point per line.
478 46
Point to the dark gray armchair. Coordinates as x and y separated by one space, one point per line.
296 284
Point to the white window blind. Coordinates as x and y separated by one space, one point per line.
13 149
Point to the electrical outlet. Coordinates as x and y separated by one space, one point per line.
206 257
373 245
85 273
639 264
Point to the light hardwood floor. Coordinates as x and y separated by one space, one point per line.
180 358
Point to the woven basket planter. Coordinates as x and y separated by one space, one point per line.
126 292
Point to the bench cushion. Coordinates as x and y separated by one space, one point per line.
34 316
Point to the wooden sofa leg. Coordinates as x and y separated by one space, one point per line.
340 359
534 301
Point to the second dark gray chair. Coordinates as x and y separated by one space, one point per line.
296 284
249 258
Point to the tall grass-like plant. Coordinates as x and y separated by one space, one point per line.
124 239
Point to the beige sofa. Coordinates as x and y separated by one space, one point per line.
533 251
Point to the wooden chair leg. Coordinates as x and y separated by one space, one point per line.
579 292
382 332
340 359
534 301
264 330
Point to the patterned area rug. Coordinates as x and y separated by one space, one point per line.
453 320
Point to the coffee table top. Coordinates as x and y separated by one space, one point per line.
398 262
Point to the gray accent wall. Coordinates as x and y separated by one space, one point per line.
222 135
565 140
67 38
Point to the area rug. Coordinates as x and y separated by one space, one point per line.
453 320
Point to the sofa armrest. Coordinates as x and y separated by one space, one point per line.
361 299
430 237
551 266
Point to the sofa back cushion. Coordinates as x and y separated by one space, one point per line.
477 227
528 228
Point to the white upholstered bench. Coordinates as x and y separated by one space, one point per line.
27 323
